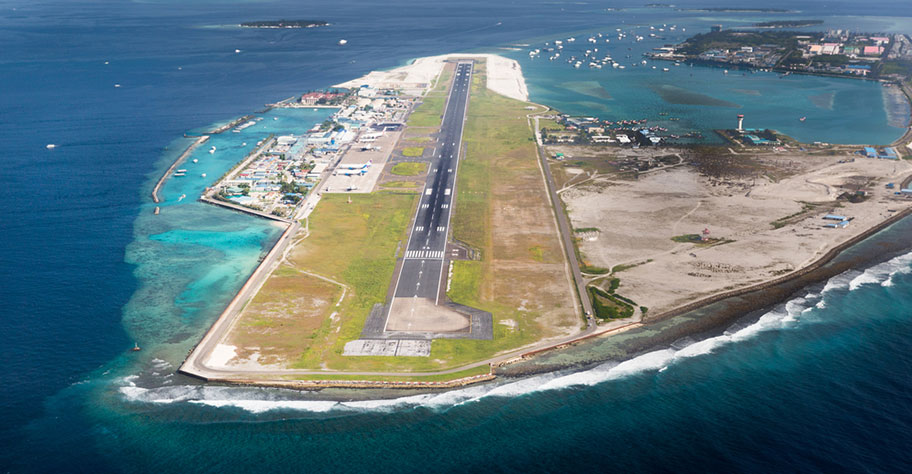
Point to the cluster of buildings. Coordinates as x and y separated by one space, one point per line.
761 56
323 98
838 52
276 180
845 43
282 172
841 52
753 136
885 153
591 130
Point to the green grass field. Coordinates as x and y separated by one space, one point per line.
430 111
355 243
399 185
408 169
413 151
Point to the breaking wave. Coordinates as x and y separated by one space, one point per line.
260 400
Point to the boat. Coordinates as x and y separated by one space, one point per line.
203 175
136 347
237 51
178 175
343 42
665 69
802 119
51 146
182 171
212 150
195 160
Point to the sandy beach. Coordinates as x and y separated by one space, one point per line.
504 75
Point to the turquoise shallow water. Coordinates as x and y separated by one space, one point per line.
837 110
819 384
192 257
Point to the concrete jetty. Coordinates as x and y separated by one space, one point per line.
180 159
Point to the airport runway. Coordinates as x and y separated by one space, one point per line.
422 267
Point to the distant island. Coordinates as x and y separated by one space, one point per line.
881 56
788 23
738 10
284 24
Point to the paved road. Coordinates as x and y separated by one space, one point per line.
565 231
422 267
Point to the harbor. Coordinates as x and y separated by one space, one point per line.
697 97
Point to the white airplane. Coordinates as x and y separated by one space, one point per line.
362 166
350 172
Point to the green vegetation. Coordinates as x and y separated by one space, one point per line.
609 306
805 208
832 59
430 111
399 184
788 23
584 230
409 169
613 284
698 240
413 151
628 266
526 265
687 238
519 278
729 39
899 67
592 270
373 226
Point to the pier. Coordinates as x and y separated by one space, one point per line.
180 159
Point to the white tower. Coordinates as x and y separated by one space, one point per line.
740 122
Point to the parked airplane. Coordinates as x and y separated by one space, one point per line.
347 172
361 166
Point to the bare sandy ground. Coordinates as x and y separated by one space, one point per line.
504 76
420 314
638 218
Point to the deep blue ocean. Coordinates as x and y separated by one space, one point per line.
822 382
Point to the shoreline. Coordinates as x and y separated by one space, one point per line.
699 327
510 364
713 314
498 364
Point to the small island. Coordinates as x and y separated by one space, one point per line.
738 10
788 24
284 24
880 56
